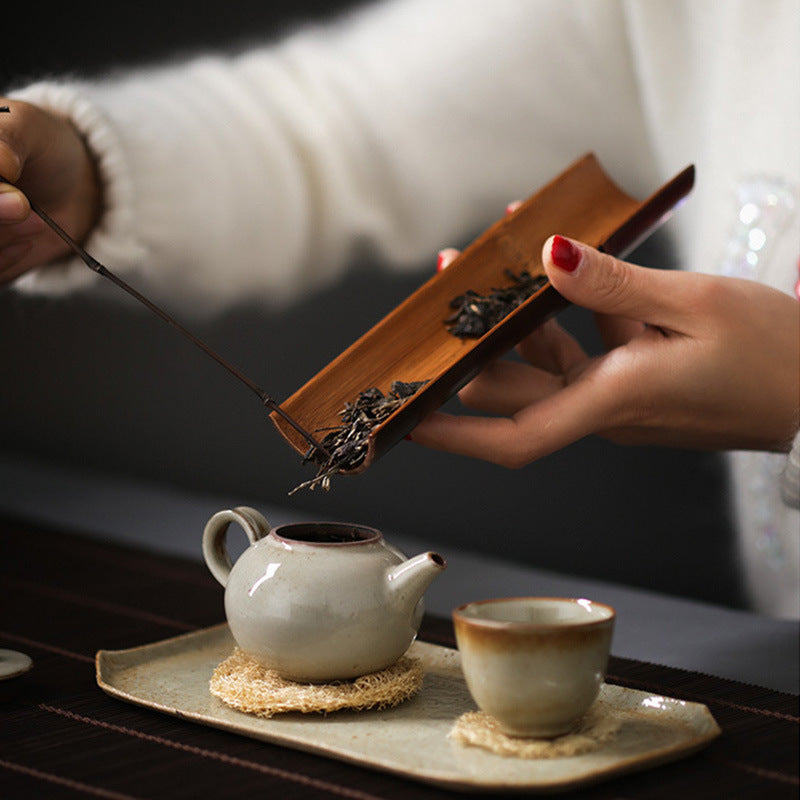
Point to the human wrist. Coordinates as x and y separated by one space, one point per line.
103 217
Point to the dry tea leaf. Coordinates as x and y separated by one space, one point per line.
475 314
347 443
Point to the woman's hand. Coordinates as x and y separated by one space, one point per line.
693 361
45 158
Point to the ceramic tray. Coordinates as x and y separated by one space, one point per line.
411 740
13 664
412 342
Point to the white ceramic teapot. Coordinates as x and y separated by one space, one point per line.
318 601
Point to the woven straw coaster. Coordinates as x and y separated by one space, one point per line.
241 682
478 729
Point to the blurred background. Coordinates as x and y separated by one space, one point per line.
94 383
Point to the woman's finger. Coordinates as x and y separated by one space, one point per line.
13 261
602 283
551 348
506 387
536 431
13 205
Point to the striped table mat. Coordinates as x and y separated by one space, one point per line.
64 596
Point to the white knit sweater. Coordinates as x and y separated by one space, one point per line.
410 124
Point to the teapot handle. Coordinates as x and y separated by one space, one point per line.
214 550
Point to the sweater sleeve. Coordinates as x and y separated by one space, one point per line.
790 477
401 128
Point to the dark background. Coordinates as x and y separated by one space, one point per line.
96 382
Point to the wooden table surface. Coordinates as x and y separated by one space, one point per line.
63 597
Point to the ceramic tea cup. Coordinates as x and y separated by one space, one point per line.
535 664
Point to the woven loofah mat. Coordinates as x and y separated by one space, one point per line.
481 730
241 682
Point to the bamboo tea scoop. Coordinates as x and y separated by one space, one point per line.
97 267
412 342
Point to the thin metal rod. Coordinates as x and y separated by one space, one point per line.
99 268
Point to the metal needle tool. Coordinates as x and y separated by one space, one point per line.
97 267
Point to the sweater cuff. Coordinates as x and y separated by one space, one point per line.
113 241
790 478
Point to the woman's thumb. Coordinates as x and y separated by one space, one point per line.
605 284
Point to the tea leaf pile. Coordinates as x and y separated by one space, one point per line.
347 443
475 314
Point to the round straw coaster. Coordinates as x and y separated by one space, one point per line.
242 683
479 729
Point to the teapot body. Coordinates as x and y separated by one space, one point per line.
320 601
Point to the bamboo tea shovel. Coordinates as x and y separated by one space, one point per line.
412 347
412 344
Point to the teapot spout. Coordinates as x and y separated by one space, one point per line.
408 581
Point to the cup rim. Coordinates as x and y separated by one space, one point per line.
372 535
459 615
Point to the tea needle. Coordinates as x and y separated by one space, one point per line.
99 268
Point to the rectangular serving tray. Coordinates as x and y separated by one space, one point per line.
412 342
411 740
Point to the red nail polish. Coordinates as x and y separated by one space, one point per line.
564 254
440 262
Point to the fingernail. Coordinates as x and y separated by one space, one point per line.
446 257
512 207
564 254
12 207
407 437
